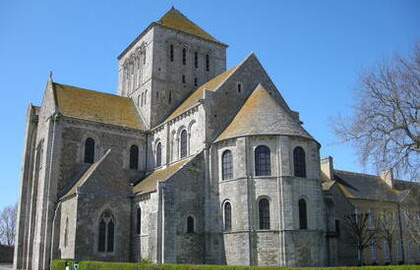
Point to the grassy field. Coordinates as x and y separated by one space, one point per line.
91 265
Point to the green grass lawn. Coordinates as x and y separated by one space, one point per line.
93 265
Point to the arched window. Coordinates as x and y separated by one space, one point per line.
110 240
184 144
102 236
299 162
158 154
134 157
171 52
227 165
195 59
227 209
264 214
89 150
207 62
138 220
262 161
190 224
184 56
303 218
106 232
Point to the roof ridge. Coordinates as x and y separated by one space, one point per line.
90 90
357 173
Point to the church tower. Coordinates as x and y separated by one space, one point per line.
166 63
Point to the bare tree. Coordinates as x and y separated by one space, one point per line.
411 216
361 232
8 225
388 229
384 126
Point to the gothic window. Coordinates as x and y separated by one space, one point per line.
138 220
106 232
373 251
102 237
190 224
184 56
303 218
134 157
227 209
195 59
207 62
158 154
171 52
184 144
262 161
299 162
227 165
264 214
89 150
386 250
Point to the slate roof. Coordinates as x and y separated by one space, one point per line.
366 187
149 183
195 96
96 106
176 20
263 114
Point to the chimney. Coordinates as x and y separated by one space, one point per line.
387 176
327 167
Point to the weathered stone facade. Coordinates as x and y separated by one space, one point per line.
189 163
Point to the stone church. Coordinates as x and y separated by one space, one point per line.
189 162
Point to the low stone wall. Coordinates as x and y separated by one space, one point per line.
6 254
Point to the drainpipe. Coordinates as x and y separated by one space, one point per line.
401 232
161 224
57 206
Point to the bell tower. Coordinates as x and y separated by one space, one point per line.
169 60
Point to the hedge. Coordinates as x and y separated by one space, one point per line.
92 265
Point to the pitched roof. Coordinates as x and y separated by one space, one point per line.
96 106
176 20
366 187
149 183
195 96
85 175
263 114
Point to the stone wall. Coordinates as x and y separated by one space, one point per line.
271 247
182 197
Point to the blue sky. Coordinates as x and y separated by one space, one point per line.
313 51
